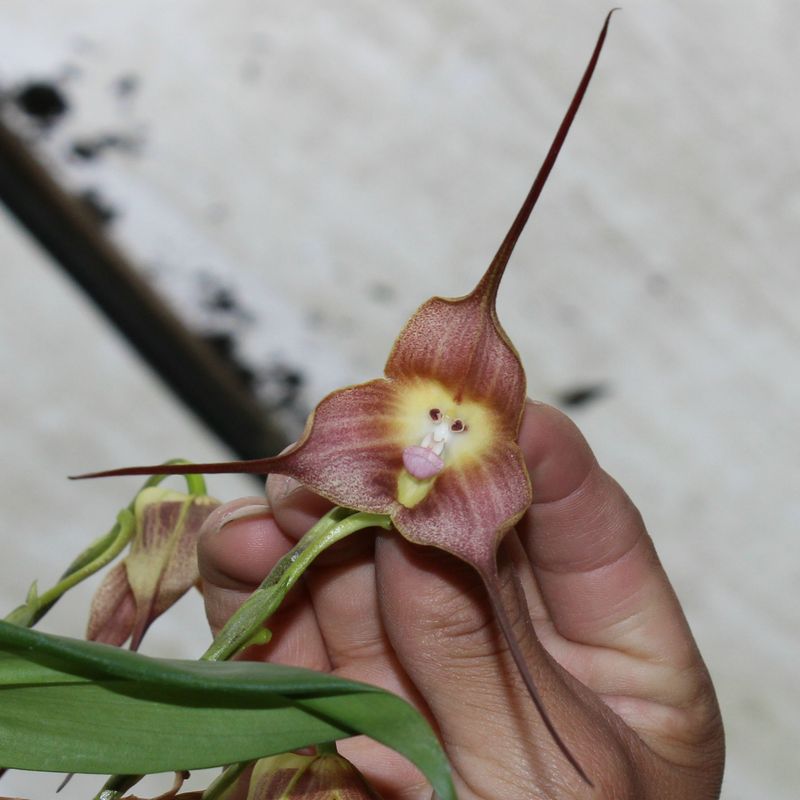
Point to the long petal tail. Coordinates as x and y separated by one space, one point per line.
257 466
492 584
488 285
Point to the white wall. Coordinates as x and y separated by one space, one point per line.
336 165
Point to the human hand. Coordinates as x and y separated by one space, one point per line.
612 654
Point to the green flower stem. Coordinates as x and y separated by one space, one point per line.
116 786
96 556
245 626
195 485
217 788
113 542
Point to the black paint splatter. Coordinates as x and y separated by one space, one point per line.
43 102
225 346
579 396
219 299
381 292
281 385
91 148
126 85
94 202
277 386
222 299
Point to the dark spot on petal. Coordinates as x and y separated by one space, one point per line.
581 395
43 102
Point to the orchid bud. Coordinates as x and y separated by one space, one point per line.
158 570
290 776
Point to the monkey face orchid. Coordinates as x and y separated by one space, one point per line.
432 444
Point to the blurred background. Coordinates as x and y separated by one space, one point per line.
294 179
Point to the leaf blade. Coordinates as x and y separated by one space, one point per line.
73 706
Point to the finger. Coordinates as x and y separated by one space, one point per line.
238 546
595 565
617 624
342 590
296 508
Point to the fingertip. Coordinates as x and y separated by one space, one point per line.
557 454
294 507
580 518
238 545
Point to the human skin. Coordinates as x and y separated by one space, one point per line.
612 654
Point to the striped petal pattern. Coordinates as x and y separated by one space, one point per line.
461 344
350 452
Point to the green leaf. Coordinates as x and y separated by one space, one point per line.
73 706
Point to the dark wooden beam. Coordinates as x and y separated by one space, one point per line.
74 239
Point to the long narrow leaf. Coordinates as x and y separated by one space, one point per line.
73 706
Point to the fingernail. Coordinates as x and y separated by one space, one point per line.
244 508
279 487
245 512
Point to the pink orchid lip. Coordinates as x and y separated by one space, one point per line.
422 462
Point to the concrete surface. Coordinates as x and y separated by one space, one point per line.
330 167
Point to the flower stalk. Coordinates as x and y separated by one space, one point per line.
108 547
245 627
97 555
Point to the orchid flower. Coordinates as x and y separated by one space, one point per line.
159 569
324 776
433 443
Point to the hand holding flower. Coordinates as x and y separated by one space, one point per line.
615 662
433 448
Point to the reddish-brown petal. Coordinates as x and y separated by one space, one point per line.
296 777
471 507
461 344
162 563
113 609
350 452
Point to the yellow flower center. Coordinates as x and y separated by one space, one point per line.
437 431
